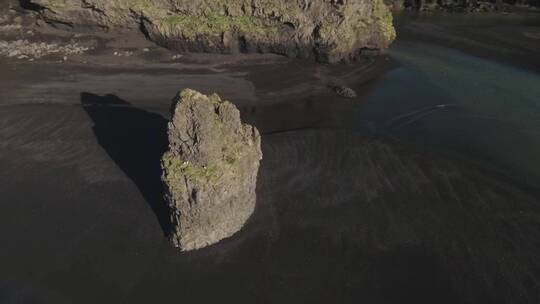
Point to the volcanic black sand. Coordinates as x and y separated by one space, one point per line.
421 190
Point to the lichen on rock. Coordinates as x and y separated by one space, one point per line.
210 170
325 30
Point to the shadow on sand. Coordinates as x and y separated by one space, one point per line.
135 139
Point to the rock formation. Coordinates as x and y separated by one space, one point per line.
325 30
343 91
210 170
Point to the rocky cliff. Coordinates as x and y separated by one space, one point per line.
326 30
210 170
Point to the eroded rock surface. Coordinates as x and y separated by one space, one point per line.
326 30
210 170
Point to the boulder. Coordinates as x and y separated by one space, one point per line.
343 91
210 170
325 30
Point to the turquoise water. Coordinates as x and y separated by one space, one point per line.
448 100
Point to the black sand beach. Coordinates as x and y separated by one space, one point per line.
386 198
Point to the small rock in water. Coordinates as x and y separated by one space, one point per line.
344 91
210 170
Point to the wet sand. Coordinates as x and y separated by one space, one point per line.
345 212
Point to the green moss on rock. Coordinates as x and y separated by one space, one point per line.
192 26
177 171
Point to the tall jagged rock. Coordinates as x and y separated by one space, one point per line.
210 170
326 30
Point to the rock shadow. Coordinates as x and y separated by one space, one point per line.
135 140
29 5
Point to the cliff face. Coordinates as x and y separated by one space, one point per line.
326 30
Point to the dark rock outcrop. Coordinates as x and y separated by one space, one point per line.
210 170
343 91
395 5
459 5
325 30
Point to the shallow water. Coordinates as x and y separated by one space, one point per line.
449 100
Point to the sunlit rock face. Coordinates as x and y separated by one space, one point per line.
210 170
324 30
